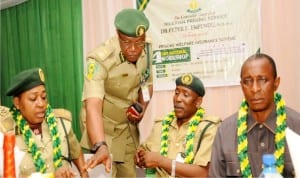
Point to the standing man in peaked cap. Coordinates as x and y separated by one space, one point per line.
117 89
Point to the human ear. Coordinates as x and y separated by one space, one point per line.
276 83
16 102
198 102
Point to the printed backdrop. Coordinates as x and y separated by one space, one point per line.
209 38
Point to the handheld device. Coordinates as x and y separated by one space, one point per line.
135 109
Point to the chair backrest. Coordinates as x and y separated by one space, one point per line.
6 121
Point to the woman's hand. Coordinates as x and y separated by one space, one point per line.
65 172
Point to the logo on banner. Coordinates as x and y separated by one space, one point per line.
194 6
173 55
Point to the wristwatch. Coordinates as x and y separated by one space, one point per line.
97 146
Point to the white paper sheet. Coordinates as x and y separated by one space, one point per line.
293 141
98 171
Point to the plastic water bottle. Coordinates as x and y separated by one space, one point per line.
269 168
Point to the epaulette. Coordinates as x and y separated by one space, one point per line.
213 119
6 121
103 51
62 113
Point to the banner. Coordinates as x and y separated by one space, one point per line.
208 38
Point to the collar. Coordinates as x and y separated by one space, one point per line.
184 125
270 123
122 58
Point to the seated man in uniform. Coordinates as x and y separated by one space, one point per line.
180 144
43 134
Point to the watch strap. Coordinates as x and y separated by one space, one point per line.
97 146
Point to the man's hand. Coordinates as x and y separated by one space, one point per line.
133 115
147 159
100 157
65 172
138 158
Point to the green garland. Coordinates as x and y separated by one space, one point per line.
279 136
32 146
193 123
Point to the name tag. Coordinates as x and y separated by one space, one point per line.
145 92
180 157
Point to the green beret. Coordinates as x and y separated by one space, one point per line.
132 22
26 80
192 82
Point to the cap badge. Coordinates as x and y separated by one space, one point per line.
42 76
140 30
187 79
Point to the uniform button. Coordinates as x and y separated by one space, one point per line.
262 144
237 171
177 144
261 126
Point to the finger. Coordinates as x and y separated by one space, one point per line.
140 165
93 164
137 158
108 165
72 173
68 173
141 153
87 163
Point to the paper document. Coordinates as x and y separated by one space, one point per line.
293 141
97 172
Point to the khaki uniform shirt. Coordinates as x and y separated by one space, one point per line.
225 162
177 141
114 80
44 143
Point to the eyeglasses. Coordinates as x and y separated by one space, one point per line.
128 44
248 82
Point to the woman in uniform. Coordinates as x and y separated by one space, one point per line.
43 135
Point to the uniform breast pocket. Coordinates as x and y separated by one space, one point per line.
232 165
118 87
26 166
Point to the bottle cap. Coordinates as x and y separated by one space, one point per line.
268 159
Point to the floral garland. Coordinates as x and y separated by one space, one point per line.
279 136
32 146
193 123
